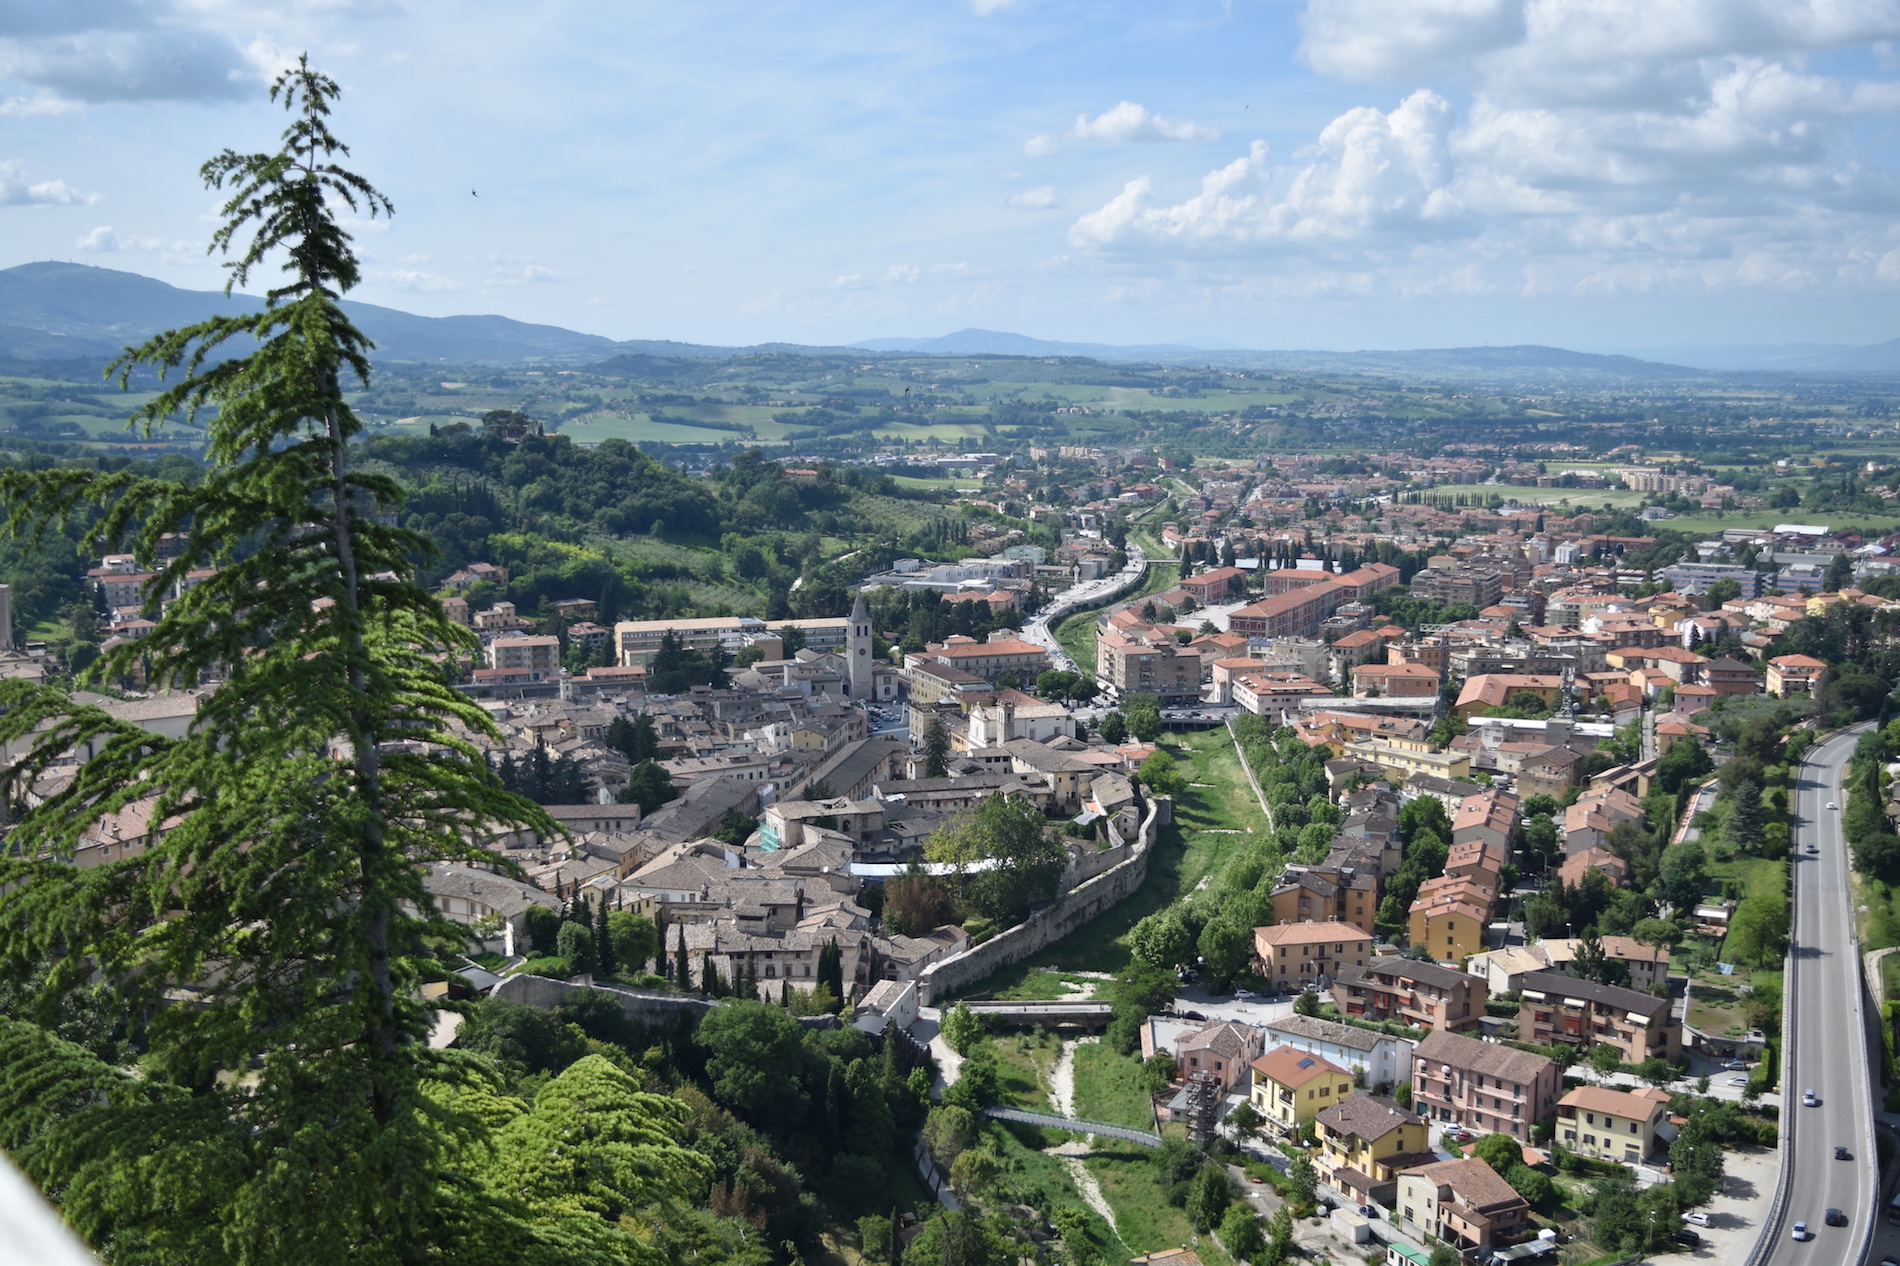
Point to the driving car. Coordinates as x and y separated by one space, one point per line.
1832 805
1809 1100
1738 1081
1813 847
1800 1231
1835 1217
1841 1153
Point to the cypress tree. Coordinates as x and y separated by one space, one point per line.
603 947
287 889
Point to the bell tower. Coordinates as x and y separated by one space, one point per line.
859 676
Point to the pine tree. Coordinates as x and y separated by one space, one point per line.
603 946
286 888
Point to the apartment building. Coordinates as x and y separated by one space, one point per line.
1303 955
1612 1125
540 656
1364 1143
1412 992
1381 1059
1476 586
1449 917
1343 894
1157 664
1483 1086
1585 1014
1291 1087
1462 1202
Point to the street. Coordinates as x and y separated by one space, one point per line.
1825 1040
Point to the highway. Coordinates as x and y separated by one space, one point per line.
1040 627
1825 1041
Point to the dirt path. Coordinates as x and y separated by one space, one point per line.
1062 1098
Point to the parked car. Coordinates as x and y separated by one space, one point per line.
1686 1237
1733 1065
1696 1218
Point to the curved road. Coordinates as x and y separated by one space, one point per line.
1039 628
1826 1045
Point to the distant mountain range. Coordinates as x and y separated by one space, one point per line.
62 312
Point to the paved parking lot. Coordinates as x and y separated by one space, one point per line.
1735 1215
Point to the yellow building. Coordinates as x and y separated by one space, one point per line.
1365 1141
1403 762
1612 1125
1449 918
1291 1087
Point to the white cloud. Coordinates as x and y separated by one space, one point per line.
416 281
902 274
1041 146
105 240
986 7
1041 198
1128 121
16 192
1603 146
851 281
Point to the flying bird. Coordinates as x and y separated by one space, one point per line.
473 194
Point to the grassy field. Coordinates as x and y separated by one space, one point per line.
637 428
1145 1220
1210 824
1108 1087
1024 1061
1049 986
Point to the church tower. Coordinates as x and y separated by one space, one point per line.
857 648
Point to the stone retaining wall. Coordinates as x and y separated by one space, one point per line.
1045 927
642 1006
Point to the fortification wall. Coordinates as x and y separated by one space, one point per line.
1068 912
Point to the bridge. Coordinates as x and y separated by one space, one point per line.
1079 1012
1053 1122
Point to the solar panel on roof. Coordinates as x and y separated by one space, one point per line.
1307 1062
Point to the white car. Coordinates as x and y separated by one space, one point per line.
1832 805
1808 1099
1801 1231
1696 1219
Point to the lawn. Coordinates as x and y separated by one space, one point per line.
1210 824
1050 986
1108 1087
1145 1220
1024 1060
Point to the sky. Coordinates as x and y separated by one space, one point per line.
1600 174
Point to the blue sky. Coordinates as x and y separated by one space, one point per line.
1604 174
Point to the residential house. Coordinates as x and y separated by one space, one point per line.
1291 1087
1483 1086
1612 1125
1412 992
1493 690
1594 860
1461 1202
1364 1142
1296 956
1647 965
1394 680
1585 1014
1222 1048
1794 675
1381 1059
1728 676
